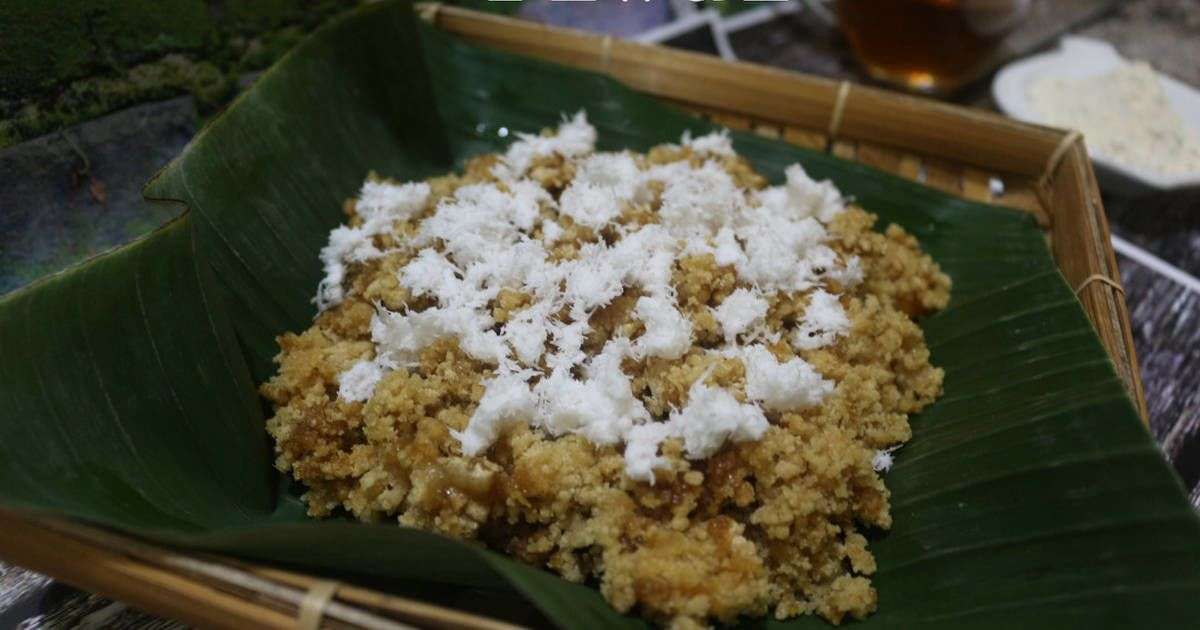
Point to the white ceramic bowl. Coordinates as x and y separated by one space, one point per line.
1081 57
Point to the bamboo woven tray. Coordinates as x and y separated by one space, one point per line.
960 151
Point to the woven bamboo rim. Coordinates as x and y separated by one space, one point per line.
211 591
961 151
1115 285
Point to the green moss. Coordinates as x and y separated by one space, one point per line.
88 98
262 15
41 46
49 43
67 61
262 51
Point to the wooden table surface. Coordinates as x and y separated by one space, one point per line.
1164 304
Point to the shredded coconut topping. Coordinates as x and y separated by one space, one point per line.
380 205
741 310
824 320
793 384
484 239
882 460
717 143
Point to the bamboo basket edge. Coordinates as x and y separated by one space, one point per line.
1063 192
206 590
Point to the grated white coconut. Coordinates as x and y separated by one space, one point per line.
715 143
740 311
824 319
379 205
575 137
480 241
668 333
793 384
883 459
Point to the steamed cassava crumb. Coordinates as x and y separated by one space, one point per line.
761 526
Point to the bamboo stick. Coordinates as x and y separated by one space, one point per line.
774 132
1082 247
943 176
268 595
976 185
226 576
844 149
882 158
419 613
805 138
158 590
1020 193
769 94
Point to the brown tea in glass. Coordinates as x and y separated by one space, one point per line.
927 45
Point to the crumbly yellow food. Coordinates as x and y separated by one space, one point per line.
771 525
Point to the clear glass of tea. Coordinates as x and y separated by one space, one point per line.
927 45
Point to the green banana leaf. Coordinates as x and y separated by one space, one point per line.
1030 495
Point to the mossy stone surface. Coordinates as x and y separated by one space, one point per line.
47 43
69 61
